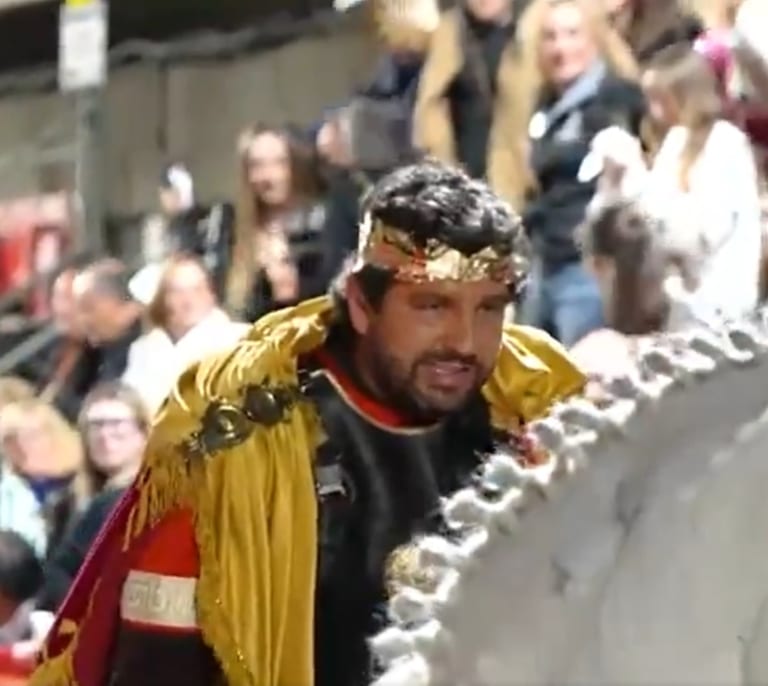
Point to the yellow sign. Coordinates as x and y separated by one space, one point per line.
80 3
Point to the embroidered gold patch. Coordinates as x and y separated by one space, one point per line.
159 600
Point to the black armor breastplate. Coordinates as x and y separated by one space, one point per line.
377 488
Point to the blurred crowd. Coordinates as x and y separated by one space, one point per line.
631 135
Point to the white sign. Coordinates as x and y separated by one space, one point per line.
83 46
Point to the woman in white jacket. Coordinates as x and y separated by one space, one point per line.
187 325
702 185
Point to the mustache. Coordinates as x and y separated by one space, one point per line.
451 357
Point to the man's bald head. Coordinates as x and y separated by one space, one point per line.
104 301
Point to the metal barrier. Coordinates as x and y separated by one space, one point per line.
27 349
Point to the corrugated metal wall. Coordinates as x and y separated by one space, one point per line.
188 111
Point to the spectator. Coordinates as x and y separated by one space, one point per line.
49 244
64 380
703 183
278 251
579 70
21 577
42 456
353 164
110 317
405 37
346 186
396 78
187 325
649 26
468 98
114 424
622 247
191 228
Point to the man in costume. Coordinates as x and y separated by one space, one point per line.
281 477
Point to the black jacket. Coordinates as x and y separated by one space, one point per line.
472 92
112 357
557 150
66 560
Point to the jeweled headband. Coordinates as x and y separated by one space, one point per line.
393 249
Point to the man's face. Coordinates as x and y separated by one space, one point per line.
63 308
95 312
431 346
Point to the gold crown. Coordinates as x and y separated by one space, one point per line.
393 249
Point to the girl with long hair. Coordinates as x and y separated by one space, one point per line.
703 186
705 181
278 253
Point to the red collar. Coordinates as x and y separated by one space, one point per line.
364 403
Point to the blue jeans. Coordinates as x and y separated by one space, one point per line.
565 302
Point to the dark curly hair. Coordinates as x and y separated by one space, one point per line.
433 200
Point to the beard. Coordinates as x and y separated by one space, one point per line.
398 383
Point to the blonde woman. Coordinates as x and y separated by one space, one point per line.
43 456
278 251
578 79
186 324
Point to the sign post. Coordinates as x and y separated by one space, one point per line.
83 49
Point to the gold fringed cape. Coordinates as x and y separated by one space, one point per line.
255 503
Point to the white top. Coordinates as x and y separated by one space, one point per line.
717 222
155 361
715 225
